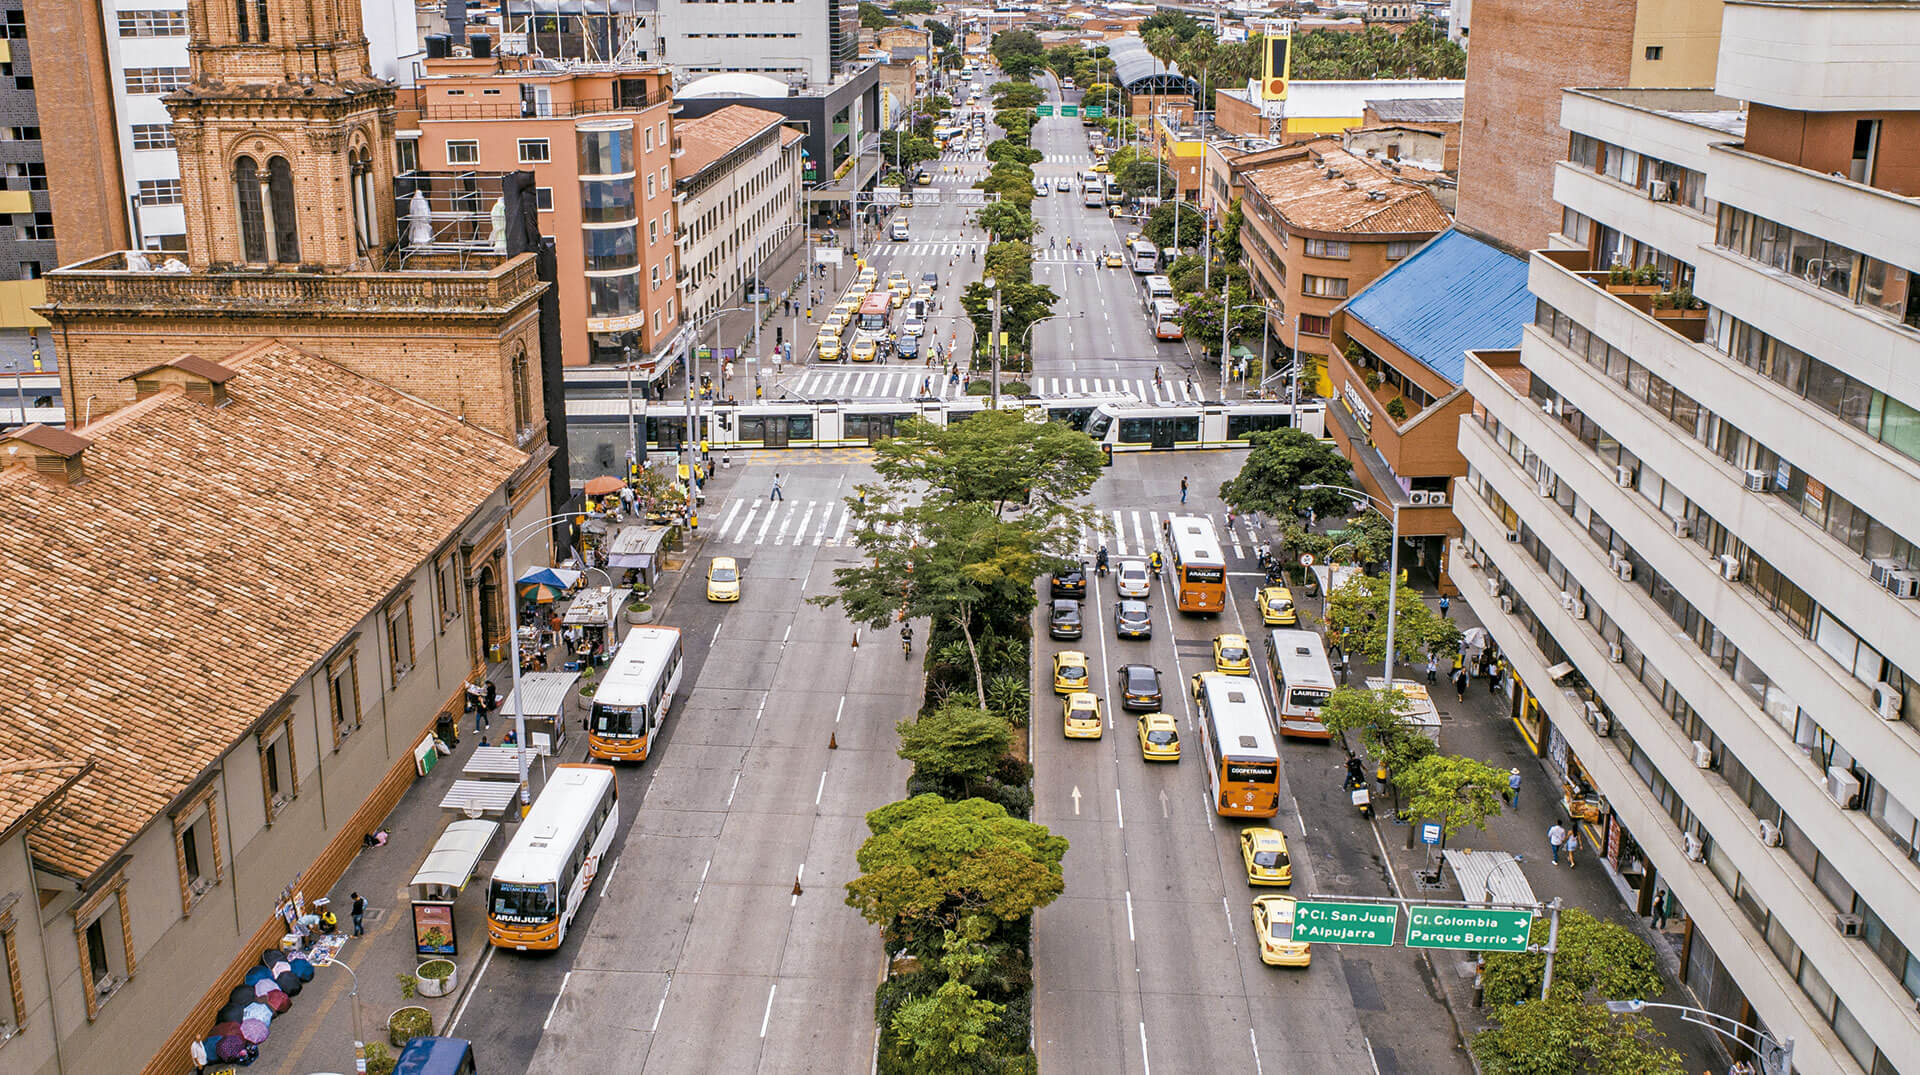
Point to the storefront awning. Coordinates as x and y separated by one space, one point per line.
449 866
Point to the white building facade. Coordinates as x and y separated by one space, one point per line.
803 42
737 207
1692 517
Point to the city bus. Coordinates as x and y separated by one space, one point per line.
1159 289
1302 681
1243 761
1166 320
1199 567
630 707
1146 256
548 868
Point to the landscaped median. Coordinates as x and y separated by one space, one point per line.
954 532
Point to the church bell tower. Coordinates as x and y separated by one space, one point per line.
285 138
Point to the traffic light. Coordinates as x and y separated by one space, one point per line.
1106 455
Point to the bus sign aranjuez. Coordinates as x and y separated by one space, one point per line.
1345 923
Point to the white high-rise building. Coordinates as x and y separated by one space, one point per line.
1692 517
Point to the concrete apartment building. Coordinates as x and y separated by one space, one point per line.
1693 510
804 42
183 786
1527 52
109 141
599 142
1320 225
26 204
737 183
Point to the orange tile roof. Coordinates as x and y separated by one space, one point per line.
708 138
27 784
1301 191
207 560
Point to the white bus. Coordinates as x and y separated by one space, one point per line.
1146 256
630 707
1165 316
1243 761
547 869
1158 287
1302 681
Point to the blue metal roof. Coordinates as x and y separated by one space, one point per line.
1456 293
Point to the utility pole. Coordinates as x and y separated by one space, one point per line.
1553 922
995 404
1226 315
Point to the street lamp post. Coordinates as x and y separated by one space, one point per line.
693 396
634 456
1392 514
353 1003
994 387
1226 314
1026 338
759 284
513 643
1775 1054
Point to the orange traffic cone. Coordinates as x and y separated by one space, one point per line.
796 885
856 638
833 741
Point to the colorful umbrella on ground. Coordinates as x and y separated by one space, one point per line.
256 974
303 968
232 1047
253 1031
601 486
278 1001
221 1030
264 986
289 984
257 1010
282 967
230 1014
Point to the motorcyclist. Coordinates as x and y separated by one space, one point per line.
1356 773
1154 561
1100 561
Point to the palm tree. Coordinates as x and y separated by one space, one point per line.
1161 45
1198 54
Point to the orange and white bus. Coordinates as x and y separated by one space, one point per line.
630 707
1302 681
1199 567
547 870
1243 762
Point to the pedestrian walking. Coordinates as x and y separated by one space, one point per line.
1556 839
1662 906
1513 778
1183 488
1444 606
926 386
1460 685
1433 672
776 493
1572 845
489 701
359 915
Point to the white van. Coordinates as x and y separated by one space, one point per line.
900 233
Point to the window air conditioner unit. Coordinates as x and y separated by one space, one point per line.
1903 584
1506 603
1882 568
1756 481
1624 570
1418 498
1566 600
1729 567
1887 701
1615 653
1493 587
1843 787
1513 536
1597 717
1769 834
1579 610
1702 755
1848 924
1682 528
1696 849
1623 476
1437 499
1544 487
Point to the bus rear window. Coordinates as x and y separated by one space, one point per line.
1314 699
1252 773
1205 574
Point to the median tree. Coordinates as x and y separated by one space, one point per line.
1556 1037
947 1031
1357 616
1006 220
1280 463
956 748
933 865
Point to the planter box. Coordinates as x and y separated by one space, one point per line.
637 618
438 987
396 1037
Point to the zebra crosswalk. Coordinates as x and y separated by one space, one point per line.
828 523
905 382
928 249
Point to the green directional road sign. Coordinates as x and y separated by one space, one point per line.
1069 110
1467 928
1096 111
1345 923
1043 110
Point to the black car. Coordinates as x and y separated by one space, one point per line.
1131 619
931 279
1069 583
1064 620
1139 688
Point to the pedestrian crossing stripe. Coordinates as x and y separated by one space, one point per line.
761 521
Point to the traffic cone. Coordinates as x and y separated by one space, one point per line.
856 638
833 741
796 884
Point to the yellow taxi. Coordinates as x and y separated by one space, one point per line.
1069 671
1276 607
1159 737
1080 716
924 291
846 308
1131 236
834 325
897 298
897 281
1101 166
1264 852
1114 260
723 579
1273 922
827 348
863 351
867 277
1232 655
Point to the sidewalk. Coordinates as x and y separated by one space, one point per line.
1480 728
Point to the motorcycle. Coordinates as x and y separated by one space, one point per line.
1100 563
1356 785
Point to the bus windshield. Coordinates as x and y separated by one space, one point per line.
618 720
512 901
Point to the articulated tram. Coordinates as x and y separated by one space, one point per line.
597 427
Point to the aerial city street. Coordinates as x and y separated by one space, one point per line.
927 537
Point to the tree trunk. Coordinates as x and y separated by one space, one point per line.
973 653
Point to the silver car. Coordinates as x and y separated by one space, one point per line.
1133 579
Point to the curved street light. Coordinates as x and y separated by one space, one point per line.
513 641
1391 513
1775 1055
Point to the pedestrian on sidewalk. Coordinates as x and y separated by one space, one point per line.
1556 839
1662 906
1513 778
489 700
1460 684
359 915
1572 845
1433 672
1444 606
775 493
1183 488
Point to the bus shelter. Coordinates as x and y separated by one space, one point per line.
595 614
437 885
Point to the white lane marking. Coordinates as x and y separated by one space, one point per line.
822 789
662 1006
761 534
1145 1064
780 538
740 535
716 636
1119 534
485 962
703 880
556 1000
609 879
1139 538
843 708
797 875
1298 817
1130 914
826 519
1371 1059
840 535
1119 812
732 510
1227 910
1255 1042
769 1016
734 788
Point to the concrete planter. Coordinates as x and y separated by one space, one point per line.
437 984
406 1024
643 614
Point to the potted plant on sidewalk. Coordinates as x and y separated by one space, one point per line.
639 611
408 1023
437 977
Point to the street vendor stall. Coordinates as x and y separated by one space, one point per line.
637 549
591 622
544 697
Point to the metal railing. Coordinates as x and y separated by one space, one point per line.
516 109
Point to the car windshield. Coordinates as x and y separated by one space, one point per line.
529 902
1161 738
1269 858
1232 653
724 574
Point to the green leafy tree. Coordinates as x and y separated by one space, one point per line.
1001 149
1279 464
1453 789
1179 24
1009 263
1006 220
1357 616
1593 957
915 7
1160 225
1226 238
1365 539
1379 717
872 18
907 150
1200 316
942 33
1037 471
1064 60
1553 1037
1020 305
1196 54
1143 178
956 745
1016 94
947 1031
1161 43
936 864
